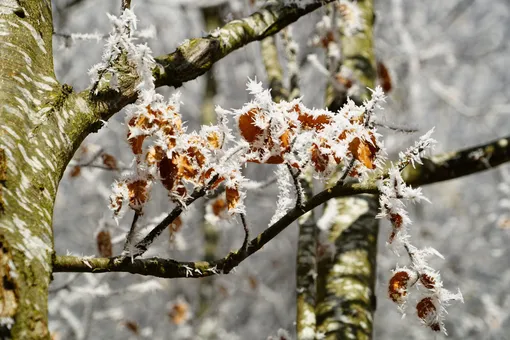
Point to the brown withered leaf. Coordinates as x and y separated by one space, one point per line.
132 326
427 311
254 283
213 140
219 205
109 161
138 194
364 151
168 173
311 122
248 130
319 160
185 167
104 243
179 313
233 196
384 77
75 171
174 227
136 144
154 155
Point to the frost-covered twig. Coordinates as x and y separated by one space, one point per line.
131 233
393 190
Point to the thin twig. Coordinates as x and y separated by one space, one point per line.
246 233
125 4
397 128
131 233
297 187
142 246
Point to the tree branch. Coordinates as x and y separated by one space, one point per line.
190 60
436 169
196 56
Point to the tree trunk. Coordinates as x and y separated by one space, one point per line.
34 151
346 282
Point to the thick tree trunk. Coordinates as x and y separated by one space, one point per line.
346 283
33 154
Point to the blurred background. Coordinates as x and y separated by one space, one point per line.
450 66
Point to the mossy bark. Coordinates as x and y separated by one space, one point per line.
33 158
345 282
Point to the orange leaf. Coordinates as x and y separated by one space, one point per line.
179 313
364 151
138 193
109 161
248 130
233 197
218 206
319 160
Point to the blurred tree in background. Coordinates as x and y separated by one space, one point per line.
442 64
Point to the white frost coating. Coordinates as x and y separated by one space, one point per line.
33 162
22 200
81 105
43 86
42 111
27 78
18 79
25 182
47 140
34 247
18 222
13 24
35 35
8 6
48 79
28 95
50 164
6 321
11 131
7 141
57 143
14 111
27 58
24 106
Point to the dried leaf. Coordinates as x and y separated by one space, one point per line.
132 326
233 197
247 127
109 161
364 151
427 312
179 313
218 206
138 193
167 173
104 243
384 77
75 171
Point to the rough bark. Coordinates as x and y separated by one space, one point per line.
34 152
346 282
